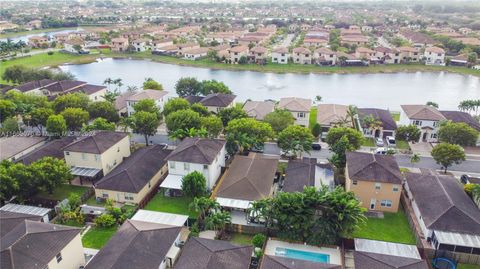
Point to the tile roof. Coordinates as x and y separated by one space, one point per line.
33 244
147 94
443 203
328 114
136 244
88 89
295 104
373 167
13 145
422 112
51 149
382 115
97 143
134 173
258 109
366 260
249 177
277 262
201 253
197 150
64 86
121 100
9 220
459 116
301 173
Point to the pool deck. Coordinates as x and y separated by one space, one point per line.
335 255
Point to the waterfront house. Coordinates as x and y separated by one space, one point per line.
140 44
388 55
121 103
196 53
382 126
426 118
358 40
214 102
15 147
136 177
299 107
280 55
364 53
92 157
160 98
301 55
330 115
237 52
38 42
459 116
119 44
375 179
74 45
324 56
158 43
258 54
434 56
203 155
409 54
52 88
258 109
307 172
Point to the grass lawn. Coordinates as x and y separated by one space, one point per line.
404 170
468 266
93 201
313 117
97 237
63 191
401 144
71 223
175 205
395 115
393 228
241 239
369 142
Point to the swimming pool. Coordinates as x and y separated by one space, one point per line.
302 255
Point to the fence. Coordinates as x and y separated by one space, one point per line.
238 228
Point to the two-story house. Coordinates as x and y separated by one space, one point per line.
214 102
238 52
299 107
119 44
409 54
375 179
92 157
307 172
206 156
426 118
280 55
301 55
160 98
376 122
140 44
434 56
325 56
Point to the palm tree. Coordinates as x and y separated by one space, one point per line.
217 221
132 88
415 159
108 81
352 113
125 123
203 205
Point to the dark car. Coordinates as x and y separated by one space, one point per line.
467 179
316 146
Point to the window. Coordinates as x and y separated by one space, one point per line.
433 136
128 196
205 166
435 123
378 186
104 195
97 157
118 149
149 184
386 203
354 182
395 188
417 122
67 153
172 165
59 257
186 166
301 115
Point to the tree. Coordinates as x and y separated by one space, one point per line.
50 173
409 133
231 113
183 120
26 102
188 86
27 183
339 150
75 118
9 186
56 125
203 205
447 154
213 125
100 124
39 117
103 109
295 139
111 96
145 123
194 184
312 216
105 221
10 125
457 133
352 113
213 86
432 104
258 240
279 119
75 100
472 57
7 109
354 137
245 133
415 159
150 84
242 60
217 221
175 104
147 105
200 109
316 130
192 132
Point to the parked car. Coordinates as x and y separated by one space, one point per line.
316 146
258 149
468 179
379 142
390 141
381 151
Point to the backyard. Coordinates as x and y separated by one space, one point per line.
97 237
175 205
468 266
241 239
62 192
394 227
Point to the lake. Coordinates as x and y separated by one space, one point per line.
386 91
50 34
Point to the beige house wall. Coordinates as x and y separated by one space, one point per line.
365 191
72 256
119 196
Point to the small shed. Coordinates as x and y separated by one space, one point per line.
30 210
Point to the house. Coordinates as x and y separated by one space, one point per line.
121 103
33 244
383 124
364 53
258 54
74 45
119 44
301 55
417 39
459 116
15 147
330 115
258 109
136 177
206 156
409 54
53 149
280 262
375 179
140 44
307 172
238 52
181 48
324 56
459 60
448 218
248 179
92 157
426 118
28 210
161 43
160 98
280 55
51 88
194 54
299 107
139 244
378 254
202 253
38 41
434 56
9 220
34 86
388 55
214 102
358 40
34 24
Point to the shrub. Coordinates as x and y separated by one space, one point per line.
258 240
316 130
469 188
105 221
74 200
50 53
194 230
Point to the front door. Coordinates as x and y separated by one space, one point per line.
372 204
424 138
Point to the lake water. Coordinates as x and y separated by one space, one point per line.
387 91
25 38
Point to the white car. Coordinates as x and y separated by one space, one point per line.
381 151
390 141
379 142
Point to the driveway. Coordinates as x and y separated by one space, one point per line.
421 148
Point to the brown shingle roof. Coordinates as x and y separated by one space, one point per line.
459 116
97 143
382 115
9 220
147 94
218 99
51 149
249 177
197 150
35 85
276 262
201 253
301 173
11 146
373 167
422 112
366 260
